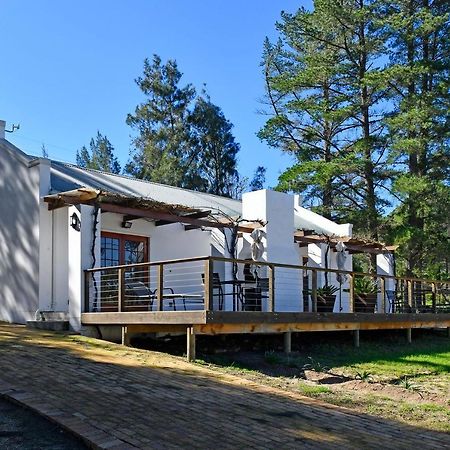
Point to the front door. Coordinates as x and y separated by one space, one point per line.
122 249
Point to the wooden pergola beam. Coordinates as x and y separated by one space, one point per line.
195 215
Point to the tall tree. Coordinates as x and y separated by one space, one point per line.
418 76
100 157
322 87
216 148
258 180
162 148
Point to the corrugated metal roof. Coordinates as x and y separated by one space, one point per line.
65 177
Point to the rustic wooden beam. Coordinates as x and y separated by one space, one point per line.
196 215
170 217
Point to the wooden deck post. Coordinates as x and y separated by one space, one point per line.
433 296
121 290
351 305
409 335
383 295
356 338
287 342
314 290
209 284
409 285
125 337
190 344
271 302
160 292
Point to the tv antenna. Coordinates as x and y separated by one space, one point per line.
14 128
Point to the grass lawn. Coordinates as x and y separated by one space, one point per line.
385 376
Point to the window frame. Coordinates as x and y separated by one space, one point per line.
122 237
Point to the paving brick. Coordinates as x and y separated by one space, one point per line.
117 402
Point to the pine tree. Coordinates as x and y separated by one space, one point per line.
258 180
162 147
216 148
418 73
100 157
323 89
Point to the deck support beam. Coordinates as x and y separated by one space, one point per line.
287 342
409 335
190 344
356 338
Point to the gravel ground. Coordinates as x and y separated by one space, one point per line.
23 429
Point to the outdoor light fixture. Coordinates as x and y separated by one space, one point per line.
126 224
75 222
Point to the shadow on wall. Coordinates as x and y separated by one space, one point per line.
19 230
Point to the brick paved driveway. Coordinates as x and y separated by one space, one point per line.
123 398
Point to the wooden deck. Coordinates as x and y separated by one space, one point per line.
226 322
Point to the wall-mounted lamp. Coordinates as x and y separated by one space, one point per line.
75 222
126 224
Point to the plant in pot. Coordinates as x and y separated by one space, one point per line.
366 294
326 296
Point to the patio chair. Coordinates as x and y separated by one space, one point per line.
138 296
253 296
397 303
216 286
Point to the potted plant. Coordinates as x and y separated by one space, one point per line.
366 294
326 296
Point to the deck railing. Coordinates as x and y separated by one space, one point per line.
216 283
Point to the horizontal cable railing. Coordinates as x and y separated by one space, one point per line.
217 283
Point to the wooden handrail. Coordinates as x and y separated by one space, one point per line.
264 263
148 264
321 269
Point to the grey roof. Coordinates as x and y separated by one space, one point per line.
65 177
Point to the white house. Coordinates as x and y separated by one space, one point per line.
47 239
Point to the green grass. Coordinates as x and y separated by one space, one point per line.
312 390
426 355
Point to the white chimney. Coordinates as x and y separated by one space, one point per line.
2 129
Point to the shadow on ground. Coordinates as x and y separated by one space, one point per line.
158 401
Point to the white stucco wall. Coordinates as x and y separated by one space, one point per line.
19 236
277 209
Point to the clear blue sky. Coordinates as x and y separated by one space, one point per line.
68 68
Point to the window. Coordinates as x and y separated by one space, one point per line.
118 249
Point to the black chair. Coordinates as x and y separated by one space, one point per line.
253 296
216 286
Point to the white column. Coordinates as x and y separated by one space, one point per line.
80 258
277 209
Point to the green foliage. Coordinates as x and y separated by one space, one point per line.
327 289
258 180
182 139
216 148
359 94
162 151
364 375
323 109
316 366
418 73
100 157
365 285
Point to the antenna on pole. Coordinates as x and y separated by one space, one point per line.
14 128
